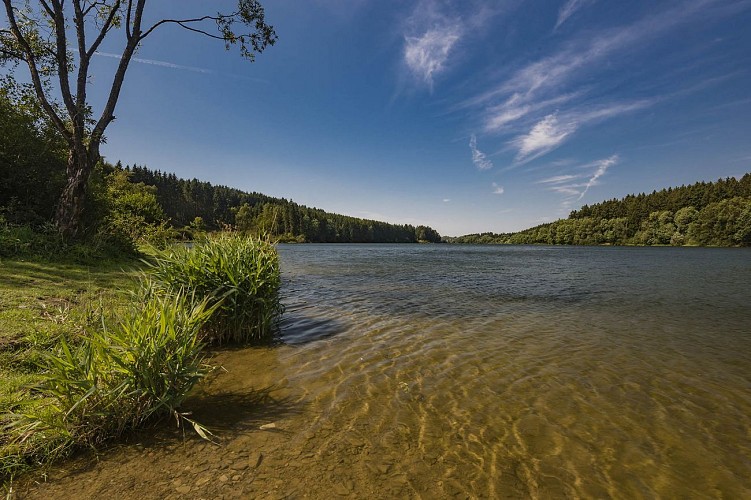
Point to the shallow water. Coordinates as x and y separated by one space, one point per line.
430 371
531 370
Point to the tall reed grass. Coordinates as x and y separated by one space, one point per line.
116 379
240 273
223 289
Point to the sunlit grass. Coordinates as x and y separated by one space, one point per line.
117 378
42 303
239 271
82 361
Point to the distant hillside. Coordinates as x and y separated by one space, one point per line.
193 202
706 213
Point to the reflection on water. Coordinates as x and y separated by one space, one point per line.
516 371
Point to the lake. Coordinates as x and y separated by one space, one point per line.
504 371
442 371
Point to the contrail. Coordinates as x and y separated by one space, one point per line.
163 64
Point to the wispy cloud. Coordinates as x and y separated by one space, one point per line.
430 35
180 67
554 129
544 102
568 9
478 157
497 189
602 167
515 108
573 186
446 200
546 135
426 55
585 54
163 64
557 179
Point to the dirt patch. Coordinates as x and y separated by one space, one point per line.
11 343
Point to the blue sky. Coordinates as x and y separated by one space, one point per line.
467 116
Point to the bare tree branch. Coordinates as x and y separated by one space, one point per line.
47 8
128 15
182 23
117 82
105 29
92 6
61 56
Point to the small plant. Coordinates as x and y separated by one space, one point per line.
240 273
117 378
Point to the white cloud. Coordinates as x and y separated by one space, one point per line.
568 10
478 157
426 55
557 179
555 129
581 55
498 117
536 89
446 200
567 185
497 189
611 110
569 189
602 167
503 115
547 134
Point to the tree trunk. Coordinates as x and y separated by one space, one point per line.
70 208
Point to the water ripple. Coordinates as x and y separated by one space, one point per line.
515 371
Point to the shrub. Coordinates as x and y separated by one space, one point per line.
239 272
116 379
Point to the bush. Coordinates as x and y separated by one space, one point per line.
239 272
46 243
116 379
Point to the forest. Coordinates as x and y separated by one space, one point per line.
194 203
133 203
701 214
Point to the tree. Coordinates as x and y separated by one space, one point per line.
37 34
32 158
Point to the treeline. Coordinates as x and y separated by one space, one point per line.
706 214
200 205
125 205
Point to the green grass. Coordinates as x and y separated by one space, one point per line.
239 271
117 378
42 303
90 352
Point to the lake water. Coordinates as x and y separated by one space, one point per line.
438 371
525 371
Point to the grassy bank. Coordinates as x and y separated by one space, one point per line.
42 303
89 352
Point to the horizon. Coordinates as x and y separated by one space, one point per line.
467 117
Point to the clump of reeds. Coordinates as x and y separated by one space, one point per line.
117 378
241 273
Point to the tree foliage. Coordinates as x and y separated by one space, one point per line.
221 206
32 158
56 40
706 214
